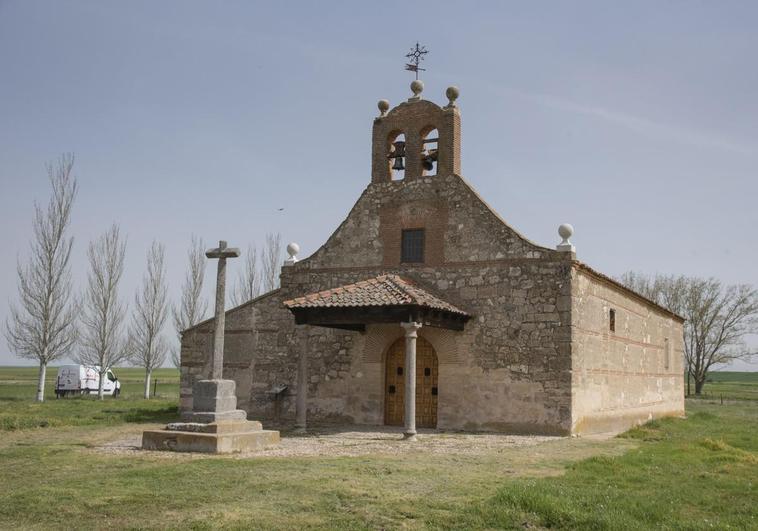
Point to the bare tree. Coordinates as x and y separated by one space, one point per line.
248 285
42 326
102 341
272 261
146 341
717 317
175 353
192 307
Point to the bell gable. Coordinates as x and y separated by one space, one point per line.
417 197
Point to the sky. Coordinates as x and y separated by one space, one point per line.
637 122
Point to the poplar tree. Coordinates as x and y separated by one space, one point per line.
42 323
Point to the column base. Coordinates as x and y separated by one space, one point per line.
409 436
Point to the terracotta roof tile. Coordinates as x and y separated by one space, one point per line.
384 290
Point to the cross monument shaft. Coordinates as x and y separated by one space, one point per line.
222 252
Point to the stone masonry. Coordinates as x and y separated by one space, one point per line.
531 358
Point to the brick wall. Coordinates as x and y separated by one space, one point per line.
624 376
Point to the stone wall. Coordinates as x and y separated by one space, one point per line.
536 356
509 370
629 375
472 231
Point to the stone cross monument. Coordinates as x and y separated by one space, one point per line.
222 253
215 424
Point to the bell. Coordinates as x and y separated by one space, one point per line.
399 150
428 160
398 165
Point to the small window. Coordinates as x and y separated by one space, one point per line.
399 371
666 353
391 389
412 249
427 371
612 320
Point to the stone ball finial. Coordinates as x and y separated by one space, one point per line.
417 86
384 106
292 250
452 94
565 231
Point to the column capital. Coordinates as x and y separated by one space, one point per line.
411 328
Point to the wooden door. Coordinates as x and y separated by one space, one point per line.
426 384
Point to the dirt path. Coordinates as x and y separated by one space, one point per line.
510 454
352 441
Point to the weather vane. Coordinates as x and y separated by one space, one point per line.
415 57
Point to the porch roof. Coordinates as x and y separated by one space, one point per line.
382 299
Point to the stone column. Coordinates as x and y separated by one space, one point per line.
221 253
411 333
217 369
301 405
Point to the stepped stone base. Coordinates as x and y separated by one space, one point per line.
204 417
214 426
218 437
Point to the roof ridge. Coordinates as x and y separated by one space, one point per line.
405 287
382 290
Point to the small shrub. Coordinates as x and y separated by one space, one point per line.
650 431
732 453
717 445
13 423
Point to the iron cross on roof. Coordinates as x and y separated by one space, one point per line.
415 56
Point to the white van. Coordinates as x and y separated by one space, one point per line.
82 380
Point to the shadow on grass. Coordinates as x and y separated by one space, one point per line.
166 414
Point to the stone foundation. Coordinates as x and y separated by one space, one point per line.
214 426
218 437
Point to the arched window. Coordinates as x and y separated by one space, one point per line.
430 137
396 155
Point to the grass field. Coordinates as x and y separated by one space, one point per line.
18 388
730 386
694 473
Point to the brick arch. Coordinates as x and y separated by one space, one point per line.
428 128
411 117
379 338
445 343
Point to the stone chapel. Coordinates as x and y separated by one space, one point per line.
425 309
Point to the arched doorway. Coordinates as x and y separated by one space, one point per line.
426 384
